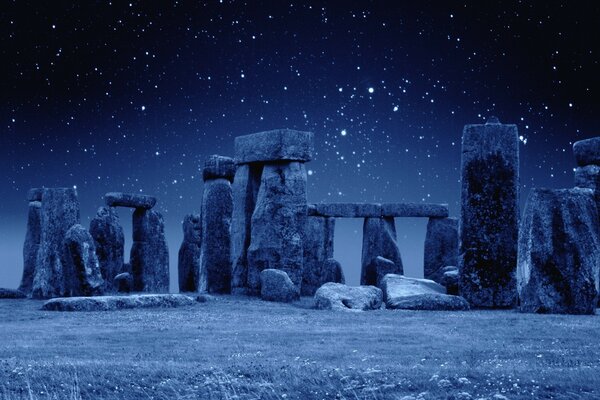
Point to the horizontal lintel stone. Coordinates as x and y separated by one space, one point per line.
370 210
118 199
275 145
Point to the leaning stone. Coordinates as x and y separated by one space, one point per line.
35 194
337 296
217 167
377 269
318 247
441 246
150 253
414 210
58 213
379 240
278 224
189 253
489 214
113 303
276 145
109 239
275 285
587 151
559 252
401 292
81 262
11 294
123 282
31 246
118 199
450 280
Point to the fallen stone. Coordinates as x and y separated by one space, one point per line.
31 246
123 282
337 296
81 263
379 240
109 240
276 285
113 303
275 145
587 151
489 214
11 294
35 194
559 252
189 253
118 199
318 247
377 269
150 253
217 167
441 246
372 210
401 292
450 281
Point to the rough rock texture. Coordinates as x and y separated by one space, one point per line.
337 296
275 145
441 246
278 223
35 194
589 177
31 246
414 210
189 253
82 268
379 240
377 269
216 167
109 240
450 277
559 252
149 254
123 282
276 285
215 257
587 151
245 190
489 214
400 292
112 303
371 210
318 247
58 213
118 199
11 294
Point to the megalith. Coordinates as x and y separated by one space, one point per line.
587 173
149 254
441 247
379 240
489 214
109 240
81 268
318 248
189 253
32 243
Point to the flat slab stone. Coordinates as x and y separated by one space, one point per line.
119 199
11 294
587 152
337 296
371 210
275 145
216 167
401 292
113 303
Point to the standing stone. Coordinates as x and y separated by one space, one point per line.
31 246
110 244
189 253
318 247
559 252
82 269
149 254
379 240
58 213
489 214
278 223
441 246
217 207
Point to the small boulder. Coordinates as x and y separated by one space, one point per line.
401 292
123 282
276 285
449 279
337 296
11 294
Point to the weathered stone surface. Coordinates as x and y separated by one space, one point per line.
489 214
559 252
414 210
113 303
372 210
318 247
337 296
245 191
278 223
450 277
123 282
189 253
58 213
31 246
149 254
215 257
216 167
109 240
276 285
379 240
82 268
11 294
205 298
441 246
400 292
587 151
377 269
589 177
275 145
35 194
118 199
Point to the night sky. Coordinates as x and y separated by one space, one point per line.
133 96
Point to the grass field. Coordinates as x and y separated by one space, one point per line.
239 348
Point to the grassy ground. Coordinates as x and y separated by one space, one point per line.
238 348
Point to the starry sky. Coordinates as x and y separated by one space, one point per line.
133 96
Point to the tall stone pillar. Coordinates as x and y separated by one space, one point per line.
150 253
318 248
109 240
189 254
441 247
32 240
379 241
489 214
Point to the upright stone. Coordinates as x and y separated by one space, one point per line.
58 213
149 254
109 240
559 252
82 269
189 253
318 248
217 207
31 246
278 223
489 214
379 240
441 247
